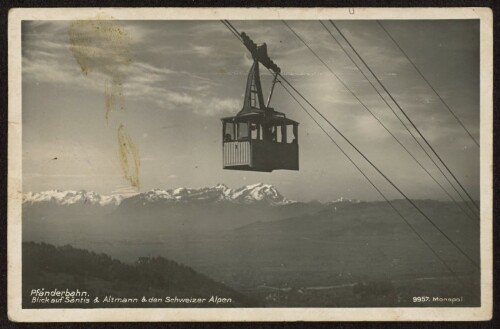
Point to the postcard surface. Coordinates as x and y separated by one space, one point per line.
267 164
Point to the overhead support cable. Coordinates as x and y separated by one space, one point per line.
407 117
380 122
473 210
232 29
428 83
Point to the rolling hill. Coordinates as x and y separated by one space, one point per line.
50 268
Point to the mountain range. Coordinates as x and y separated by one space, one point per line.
71 197
259 193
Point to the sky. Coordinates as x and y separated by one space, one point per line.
123 106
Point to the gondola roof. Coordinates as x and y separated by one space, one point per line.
257 115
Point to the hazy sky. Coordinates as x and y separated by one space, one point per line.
167 83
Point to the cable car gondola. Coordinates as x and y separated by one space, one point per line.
259 138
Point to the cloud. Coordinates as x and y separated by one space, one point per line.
218 106
201 50
178 98
213 106
48 59
50 69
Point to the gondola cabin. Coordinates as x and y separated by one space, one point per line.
259 138
254 142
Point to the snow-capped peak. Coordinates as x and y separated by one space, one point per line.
255 193
259 192
342 199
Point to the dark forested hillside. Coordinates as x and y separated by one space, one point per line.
66 268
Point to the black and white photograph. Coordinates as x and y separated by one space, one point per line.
313 164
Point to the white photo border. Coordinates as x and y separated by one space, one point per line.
14 180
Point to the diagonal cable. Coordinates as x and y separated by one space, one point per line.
428 83
407 117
